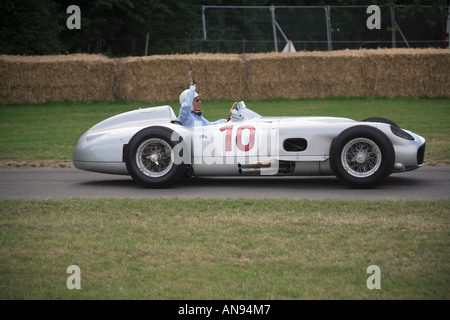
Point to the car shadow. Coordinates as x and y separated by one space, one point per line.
111 183
256 182
261 182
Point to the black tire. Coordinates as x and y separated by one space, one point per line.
382 120
148 158
362 157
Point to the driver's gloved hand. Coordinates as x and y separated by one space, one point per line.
192 81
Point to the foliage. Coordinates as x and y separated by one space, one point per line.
120 27
28 27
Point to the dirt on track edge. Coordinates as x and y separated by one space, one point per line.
36 164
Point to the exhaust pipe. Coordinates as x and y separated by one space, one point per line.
270 168
255 165
253 168
250 172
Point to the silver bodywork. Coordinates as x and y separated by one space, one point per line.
249 144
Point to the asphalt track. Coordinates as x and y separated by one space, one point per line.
427 183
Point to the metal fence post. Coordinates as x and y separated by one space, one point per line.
146 43
204 22
328 21
274 27
394 40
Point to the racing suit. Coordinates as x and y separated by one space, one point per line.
190 118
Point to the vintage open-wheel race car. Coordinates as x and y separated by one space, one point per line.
153 148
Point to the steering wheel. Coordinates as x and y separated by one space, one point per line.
232 107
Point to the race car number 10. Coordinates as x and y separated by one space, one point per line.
241 146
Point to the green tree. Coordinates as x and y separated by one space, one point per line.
29 27
120 26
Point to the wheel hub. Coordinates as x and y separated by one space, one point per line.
153 158
361 157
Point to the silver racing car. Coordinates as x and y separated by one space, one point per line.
153 148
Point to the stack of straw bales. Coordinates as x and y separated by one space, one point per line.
163 78
76 77
348 73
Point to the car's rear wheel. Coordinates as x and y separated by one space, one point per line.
362 157
149 158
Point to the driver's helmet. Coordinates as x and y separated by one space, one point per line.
183 96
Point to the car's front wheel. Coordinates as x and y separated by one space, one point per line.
362 156
149 158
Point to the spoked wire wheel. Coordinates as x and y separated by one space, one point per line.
154 158
151 160
361 157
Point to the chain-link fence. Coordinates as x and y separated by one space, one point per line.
240 29
252 29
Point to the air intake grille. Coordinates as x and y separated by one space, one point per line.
421 154
295 144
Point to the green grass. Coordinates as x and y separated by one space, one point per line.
49 132
224 249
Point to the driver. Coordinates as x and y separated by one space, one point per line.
190 112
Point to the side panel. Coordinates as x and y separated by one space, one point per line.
103 147
223 147
247 147
102 150
217 144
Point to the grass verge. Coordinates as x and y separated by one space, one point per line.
224 249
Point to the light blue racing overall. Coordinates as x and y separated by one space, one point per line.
188 117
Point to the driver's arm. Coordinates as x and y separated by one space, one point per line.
185 111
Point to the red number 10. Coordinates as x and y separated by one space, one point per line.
239 144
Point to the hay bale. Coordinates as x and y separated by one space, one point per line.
163 78
349 73
411 72
77 77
